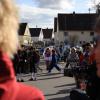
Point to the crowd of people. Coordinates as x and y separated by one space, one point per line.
81 58
26 60
89 89
83 65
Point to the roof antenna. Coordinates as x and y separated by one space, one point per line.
89 10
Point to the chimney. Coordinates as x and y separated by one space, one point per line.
73 12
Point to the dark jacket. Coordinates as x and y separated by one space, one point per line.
78 94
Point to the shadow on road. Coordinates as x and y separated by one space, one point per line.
45 78
64 91
41 74
50 78
61 98
46 74
72 84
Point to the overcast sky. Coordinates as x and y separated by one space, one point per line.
41 13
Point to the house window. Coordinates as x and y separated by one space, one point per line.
84 42
80 42
91 41
82 32
91 33
65 33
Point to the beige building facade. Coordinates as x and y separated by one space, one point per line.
24 34
78 37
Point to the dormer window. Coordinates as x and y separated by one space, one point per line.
91 33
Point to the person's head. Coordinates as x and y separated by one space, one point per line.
97 49
53 51
47 50
8 27
73 50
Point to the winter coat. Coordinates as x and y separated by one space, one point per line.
73 57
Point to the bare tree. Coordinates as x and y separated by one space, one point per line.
96 6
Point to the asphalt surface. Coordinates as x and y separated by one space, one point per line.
55 85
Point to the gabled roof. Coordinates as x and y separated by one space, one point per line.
47 33
81 21
35 32
22 27
55 24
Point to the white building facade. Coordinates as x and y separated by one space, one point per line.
76 28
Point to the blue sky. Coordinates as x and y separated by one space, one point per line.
41 13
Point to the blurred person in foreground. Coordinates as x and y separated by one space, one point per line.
97 55
10 89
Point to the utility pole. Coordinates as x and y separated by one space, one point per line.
89 10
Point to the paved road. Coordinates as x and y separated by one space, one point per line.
54 86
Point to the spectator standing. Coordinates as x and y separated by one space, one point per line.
73 58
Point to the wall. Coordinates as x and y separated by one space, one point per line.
85 36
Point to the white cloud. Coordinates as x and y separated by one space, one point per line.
97 1
66 4
36 16
42 16
92 3
26 9
42 12
54 4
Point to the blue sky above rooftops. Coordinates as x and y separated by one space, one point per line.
41 13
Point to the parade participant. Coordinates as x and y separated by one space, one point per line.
53 62
47 57
20 66
33 61
10 89
37 62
